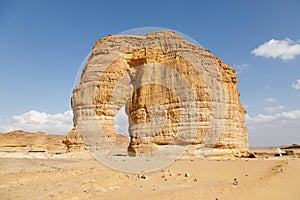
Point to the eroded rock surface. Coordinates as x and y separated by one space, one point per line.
73 141
176 93
21 141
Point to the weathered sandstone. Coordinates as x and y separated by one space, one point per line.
73 142
176 94
21 141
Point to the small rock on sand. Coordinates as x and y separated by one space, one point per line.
235 181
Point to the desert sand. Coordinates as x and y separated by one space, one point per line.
77 175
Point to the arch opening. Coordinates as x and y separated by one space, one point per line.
121 126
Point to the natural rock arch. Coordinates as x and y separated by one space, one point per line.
175 93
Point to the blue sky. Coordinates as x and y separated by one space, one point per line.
43 43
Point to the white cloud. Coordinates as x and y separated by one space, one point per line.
296 85
59 123
33 121
240 68
274 109
269 100
274 129
295 114
261 118
286 49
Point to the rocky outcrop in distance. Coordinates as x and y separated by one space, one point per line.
21 141
40 142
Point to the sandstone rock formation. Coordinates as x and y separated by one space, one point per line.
176 93
20 141
73 142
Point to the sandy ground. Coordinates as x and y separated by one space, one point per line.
79 176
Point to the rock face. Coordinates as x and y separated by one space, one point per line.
73 142
21 141
175 93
